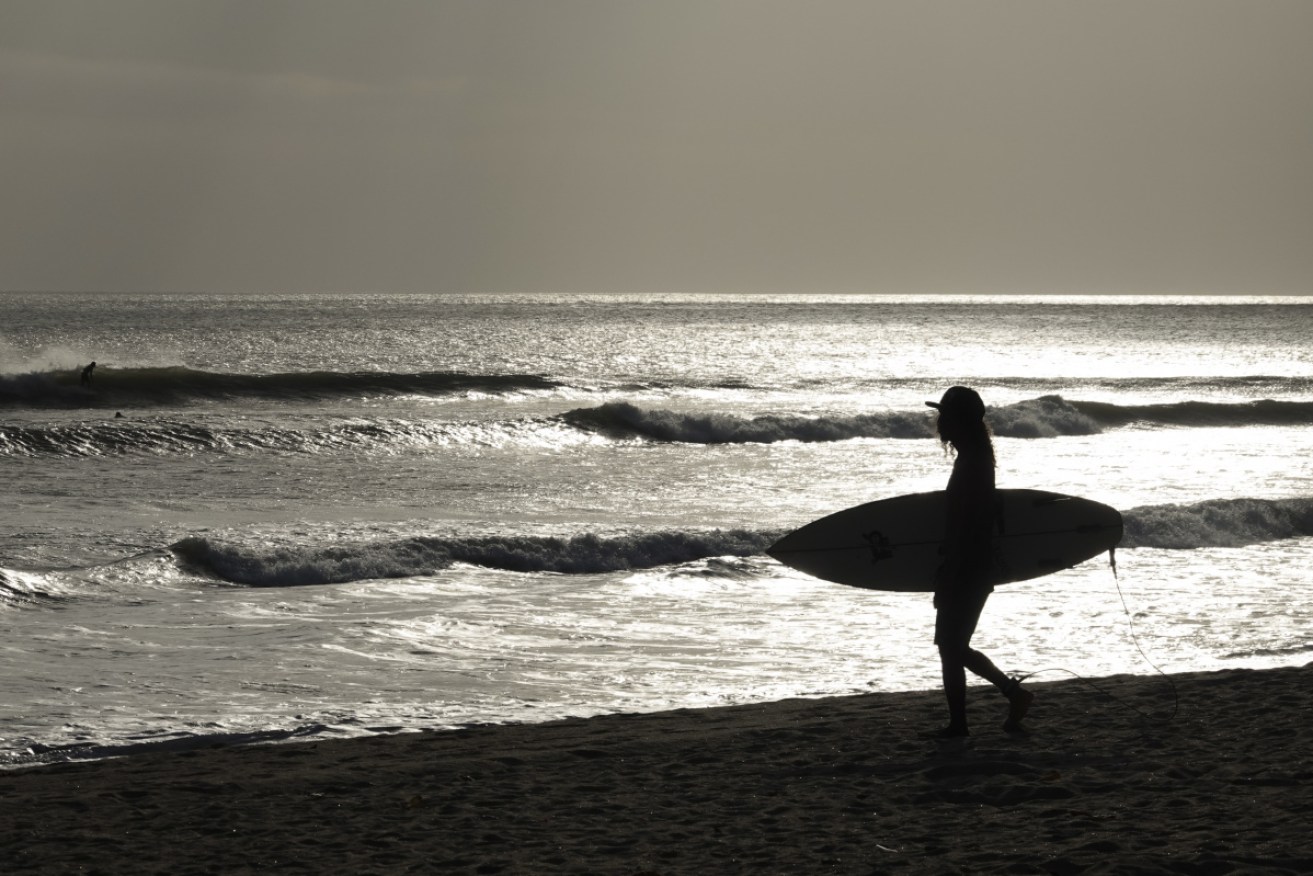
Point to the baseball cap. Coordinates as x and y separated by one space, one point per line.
961 400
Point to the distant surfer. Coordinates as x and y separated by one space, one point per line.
962 583
86 374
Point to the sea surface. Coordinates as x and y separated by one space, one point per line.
286 516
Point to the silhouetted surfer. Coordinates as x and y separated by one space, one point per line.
86 374
962 583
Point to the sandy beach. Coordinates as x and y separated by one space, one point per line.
842 785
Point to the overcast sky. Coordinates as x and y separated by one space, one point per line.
663 145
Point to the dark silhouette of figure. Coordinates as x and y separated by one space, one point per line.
86 374
963 582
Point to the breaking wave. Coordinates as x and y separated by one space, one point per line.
1213 523
1265 412
1038 418
624 420
26 588
177 386
1048 416
582 554
1217 523
1045 417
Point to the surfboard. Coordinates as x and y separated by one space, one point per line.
894 544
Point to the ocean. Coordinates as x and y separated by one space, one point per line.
317 516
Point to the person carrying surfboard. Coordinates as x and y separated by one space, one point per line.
963 581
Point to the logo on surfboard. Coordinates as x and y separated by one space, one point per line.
881 547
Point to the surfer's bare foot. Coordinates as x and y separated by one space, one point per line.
1018 705
953 731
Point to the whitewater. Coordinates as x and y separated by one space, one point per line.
288 516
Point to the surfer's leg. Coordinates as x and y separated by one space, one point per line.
985 668
955 622
955 690
1019 700
955 627
953 637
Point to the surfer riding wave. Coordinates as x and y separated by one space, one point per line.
963 582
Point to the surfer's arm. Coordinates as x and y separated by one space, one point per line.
967 527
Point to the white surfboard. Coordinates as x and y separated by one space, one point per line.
894 544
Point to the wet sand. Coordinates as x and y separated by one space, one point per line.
841 785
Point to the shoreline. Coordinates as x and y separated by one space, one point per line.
847 784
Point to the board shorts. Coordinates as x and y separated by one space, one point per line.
957 615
